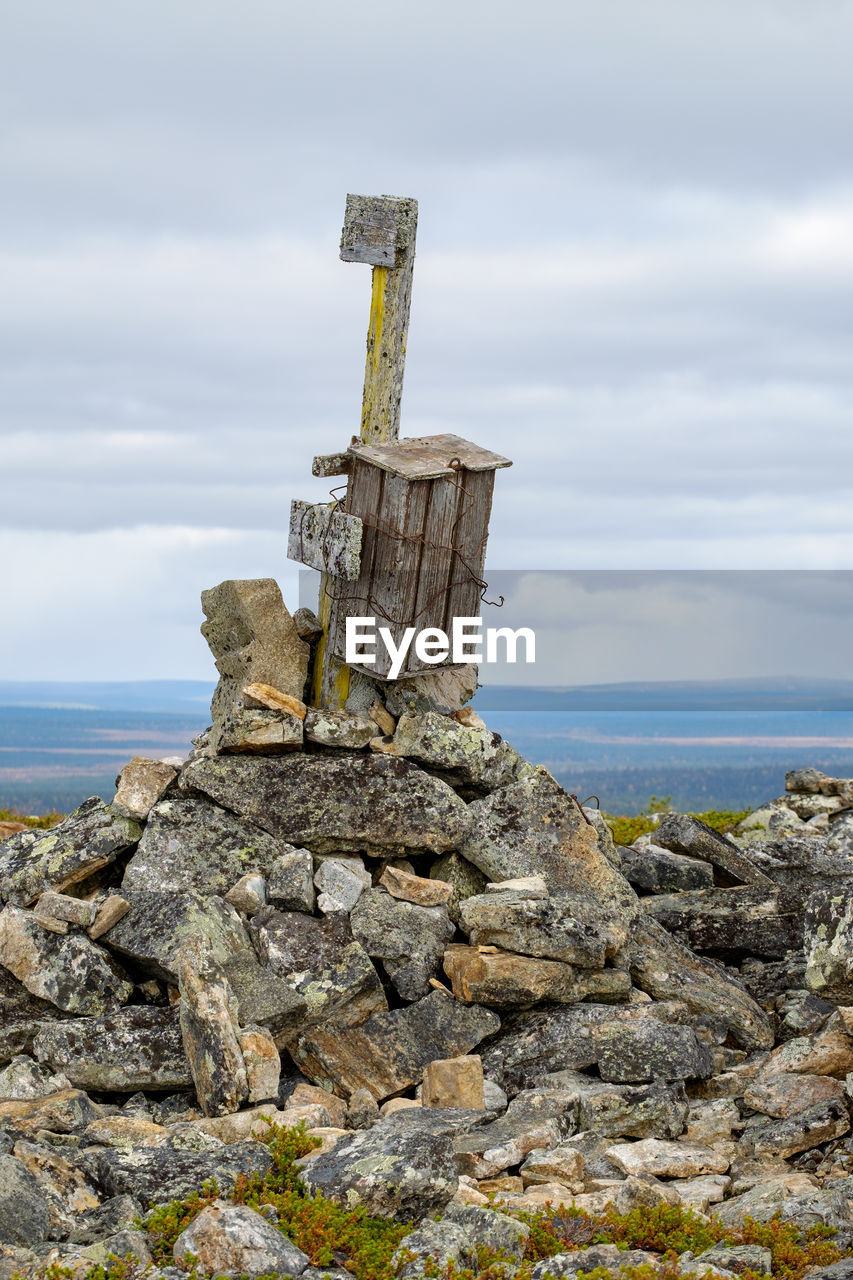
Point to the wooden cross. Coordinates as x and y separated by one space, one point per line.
380 230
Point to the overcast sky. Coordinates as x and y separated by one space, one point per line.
634 271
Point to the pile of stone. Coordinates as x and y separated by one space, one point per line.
385 923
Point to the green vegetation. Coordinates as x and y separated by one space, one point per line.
43 823
332 1235
626 830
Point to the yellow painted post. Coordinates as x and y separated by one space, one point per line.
379 231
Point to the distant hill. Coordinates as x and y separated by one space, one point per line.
752 694
186 696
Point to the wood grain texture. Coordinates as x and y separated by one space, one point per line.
428 457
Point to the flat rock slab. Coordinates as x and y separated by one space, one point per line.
397 1169
67 1111
533 827
469 756
654 870
156 1175
136 1048
24 1214
641 1052
159 923
505 980
754 920
683 834
628 1111
68 969
533 1043
798 1132
783 1094
389 1052
332 803
195 845
667 970
90 838
409 940
570 927
667 1159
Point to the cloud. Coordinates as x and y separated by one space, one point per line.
633 277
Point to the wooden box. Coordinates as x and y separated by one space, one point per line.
424 507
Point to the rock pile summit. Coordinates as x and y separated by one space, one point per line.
383 922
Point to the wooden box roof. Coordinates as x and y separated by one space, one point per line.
428 457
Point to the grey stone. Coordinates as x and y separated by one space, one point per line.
645 1051
683 834
609 1256
310 971
90 838
68 1111
135 1048
793 1200
735 1257
829 943
169 1172
328 803
657 1110
535 1120
466 756
308 625
61 907
430 1246
667 970
159 923
389 1052
798 1132
535 1042
249 894
193 845
234 1240
397 1169
210 1030
24 1215
533 827
263 731
570 927
464 878
290 882
21 1016
116 1214
26 1078
758 921
805 780
652 869
65 1185
69 970
362 1111
408 939
254 640
339 729
490 1228
341 882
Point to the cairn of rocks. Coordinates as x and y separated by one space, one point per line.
383 922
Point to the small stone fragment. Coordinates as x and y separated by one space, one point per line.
262 1062
249 894
524 886
140 785
113 908
381 718
290 884
60 906
561 1164
417 889
339 729
362 1111
274 700
454 1082
341 882
505 980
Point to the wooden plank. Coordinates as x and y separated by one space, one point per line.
428 457
379 230
325 538
331 464
364 495
396 558
469 541
436 560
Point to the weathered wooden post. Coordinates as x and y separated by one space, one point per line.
379 231
408 543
